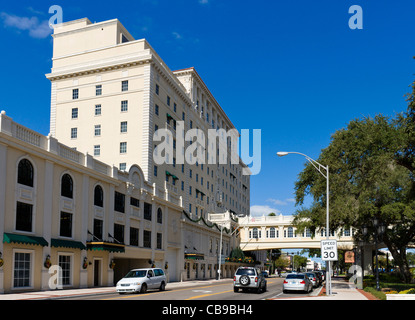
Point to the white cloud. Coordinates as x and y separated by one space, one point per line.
37 29
281 202
203 1
177 35
258 211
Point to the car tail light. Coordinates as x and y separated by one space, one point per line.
256 279
234 278
285 281
314 279
302 282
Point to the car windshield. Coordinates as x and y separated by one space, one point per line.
136 274
249 272
311 275
295 276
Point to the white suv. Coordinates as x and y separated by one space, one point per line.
249 278
139 280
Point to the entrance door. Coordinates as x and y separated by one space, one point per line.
97 273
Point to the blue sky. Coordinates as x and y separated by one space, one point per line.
293 69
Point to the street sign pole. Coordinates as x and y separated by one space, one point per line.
329 254
328 284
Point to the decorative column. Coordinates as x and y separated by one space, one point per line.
83 277
3 170
47 219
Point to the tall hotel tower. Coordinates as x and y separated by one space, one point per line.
111 93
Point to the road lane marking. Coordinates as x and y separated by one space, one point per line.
207 295
161 292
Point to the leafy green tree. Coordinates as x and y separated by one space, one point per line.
281 263
367 180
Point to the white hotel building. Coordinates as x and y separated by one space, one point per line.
88 197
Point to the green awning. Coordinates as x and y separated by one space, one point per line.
105 246
168 173
24 239
194 256
67 244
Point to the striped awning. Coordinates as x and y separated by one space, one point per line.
24 239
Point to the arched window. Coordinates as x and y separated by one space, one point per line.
67 186
98 196
255 233
159 216
290 232
25 173
272 232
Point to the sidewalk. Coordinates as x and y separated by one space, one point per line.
58 294
341 290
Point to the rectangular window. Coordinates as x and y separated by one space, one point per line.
135 202
22 270
74 133
124 106
98 90
123 166
97 130
97 150
123 127
74 113
156 109
119 202
66 225
182 185
157 89
119 232
174 107
134 237
147 211
124 85
123 147
75 94
168 100
24 216
98 229
97 109
155 171
159 240
147 239
65 264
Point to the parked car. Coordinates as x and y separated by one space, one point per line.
313 278
297 282
249 278
320 274
139 280
265 274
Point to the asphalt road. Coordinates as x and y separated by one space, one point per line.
222 291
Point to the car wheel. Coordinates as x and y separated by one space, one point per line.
162 286
244 280
143 288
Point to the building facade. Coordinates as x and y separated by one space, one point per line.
111 94
60 207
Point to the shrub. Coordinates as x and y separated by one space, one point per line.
409 291
378 294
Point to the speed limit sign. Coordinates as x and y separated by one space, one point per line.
329 250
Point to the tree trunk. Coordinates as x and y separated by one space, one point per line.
399 255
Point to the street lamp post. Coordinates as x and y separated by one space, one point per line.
379 230
319 168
